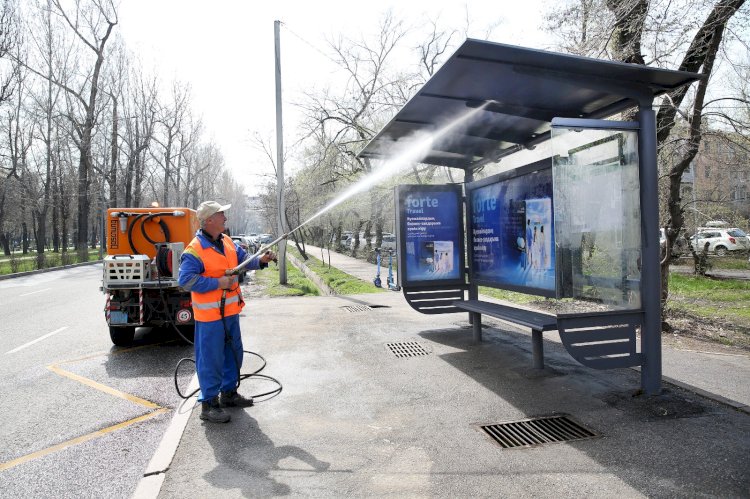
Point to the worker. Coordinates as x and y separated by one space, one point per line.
217 302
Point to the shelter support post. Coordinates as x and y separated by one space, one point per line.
474 319
476 326
537 345
650 268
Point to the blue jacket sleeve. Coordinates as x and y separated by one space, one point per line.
191 268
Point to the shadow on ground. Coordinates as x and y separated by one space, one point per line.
673 443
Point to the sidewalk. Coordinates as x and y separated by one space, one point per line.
725 375
353 266
717 273
355 420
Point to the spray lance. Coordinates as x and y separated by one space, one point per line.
239 268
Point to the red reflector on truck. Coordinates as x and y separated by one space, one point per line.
184 315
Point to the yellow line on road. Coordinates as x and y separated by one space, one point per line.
103 388
55 368
79 440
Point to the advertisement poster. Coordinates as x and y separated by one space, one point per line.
431 234
512 235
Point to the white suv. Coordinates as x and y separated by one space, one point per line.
720 241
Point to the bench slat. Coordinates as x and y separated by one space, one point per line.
528 318
576 337
431 295
614 362
603 349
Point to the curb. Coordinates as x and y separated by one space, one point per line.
49 269
738 406
153 477
315 278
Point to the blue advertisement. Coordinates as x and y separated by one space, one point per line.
432 234
512 233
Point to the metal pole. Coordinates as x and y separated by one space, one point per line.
279 157
650 267
475 319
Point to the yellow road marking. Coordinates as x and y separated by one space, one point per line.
103 388
98 433
79 440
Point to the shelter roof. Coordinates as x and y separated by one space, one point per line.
519 91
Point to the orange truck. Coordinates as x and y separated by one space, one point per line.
141 270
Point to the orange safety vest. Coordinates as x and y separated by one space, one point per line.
206 306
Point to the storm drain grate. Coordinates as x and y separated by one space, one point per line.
407 349
537 431
357 308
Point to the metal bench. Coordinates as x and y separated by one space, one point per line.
600 340
537 321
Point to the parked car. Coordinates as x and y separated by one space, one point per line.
247 243
242 242
265 238
344 239
353 240
388 243
721 241
678 248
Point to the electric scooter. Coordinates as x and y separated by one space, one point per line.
391 281
377 281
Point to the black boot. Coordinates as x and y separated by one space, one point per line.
212 411
234 399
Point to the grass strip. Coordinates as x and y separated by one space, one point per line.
18 262
297 284
710 298
340 282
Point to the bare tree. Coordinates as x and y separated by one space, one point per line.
140 120
10 40
624 30
92 25
170 118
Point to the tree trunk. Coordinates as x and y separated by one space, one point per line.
24 236
5 243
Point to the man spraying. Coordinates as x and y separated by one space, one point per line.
217 302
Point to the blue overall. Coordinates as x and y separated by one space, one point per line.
215 358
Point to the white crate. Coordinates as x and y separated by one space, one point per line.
126 268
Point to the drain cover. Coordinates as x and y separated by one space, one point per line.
537 431
357 308
407 349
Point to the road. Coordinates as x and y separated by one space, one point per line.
78 416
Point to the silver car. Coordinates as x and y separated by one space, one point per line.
721 241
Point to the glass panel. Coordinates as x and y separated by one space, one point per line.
597 216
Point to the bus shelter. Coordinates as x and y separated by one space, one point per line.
580 221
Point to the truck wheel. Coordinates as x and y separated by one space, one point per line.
122 336
720 251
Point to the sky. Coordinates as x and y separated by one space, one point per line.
225 51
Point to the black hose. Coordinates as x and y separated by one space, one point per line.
162 224
164 228
130 232
240 377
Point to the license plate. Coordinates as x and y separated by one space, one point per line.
118 317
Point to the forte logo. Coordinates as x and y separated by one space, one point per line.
421 202
415 205
486 204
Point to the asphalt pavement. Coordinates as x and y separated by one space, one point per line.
356 420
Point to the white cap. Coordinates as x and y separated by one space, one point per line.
208 208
